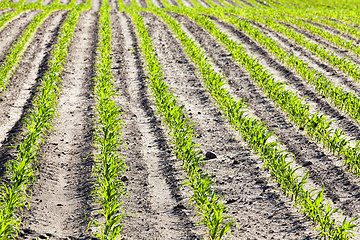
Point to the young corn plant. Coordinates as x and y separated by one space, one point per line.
344 64
7 17
316 126
349 102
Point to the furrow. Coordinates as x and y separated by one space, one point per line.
294 82
26 81
13 31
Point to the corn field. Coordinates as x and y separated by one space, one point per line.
179 119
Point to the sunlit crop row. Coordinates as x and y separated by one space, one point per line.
21 170
209 206
16 52
315 124
257 135
109 164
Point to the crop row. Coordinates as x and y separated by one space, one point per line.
267 18
309 16
15 53
19 47
316 125
256 134
346 18
23 6
7 17
21 171
346 101
208 204
109 164
258 138
340 10
342 63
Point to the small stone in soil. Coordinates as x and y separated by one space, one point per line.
307 163
124 179
236 161
259 181
230 201
210 155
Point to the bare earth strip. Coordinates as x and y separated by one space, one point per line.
3 11
294 82
157 205
60 203
238 171
341 52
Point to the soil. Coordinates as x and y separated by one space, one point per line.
157 205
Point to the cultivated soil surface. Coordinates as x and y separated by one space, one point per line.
157 206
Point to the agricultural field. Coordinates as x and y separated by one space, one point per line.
179 119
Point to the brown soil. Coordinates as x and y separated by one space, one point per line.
340 52
314 62
157 205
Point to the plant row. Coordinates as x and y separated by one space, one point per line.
7 17
109 164
15 54
316 125
256 134
336 39
12 59
313 17
8 5
349 102
209 206
344 64
21 171
22 5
